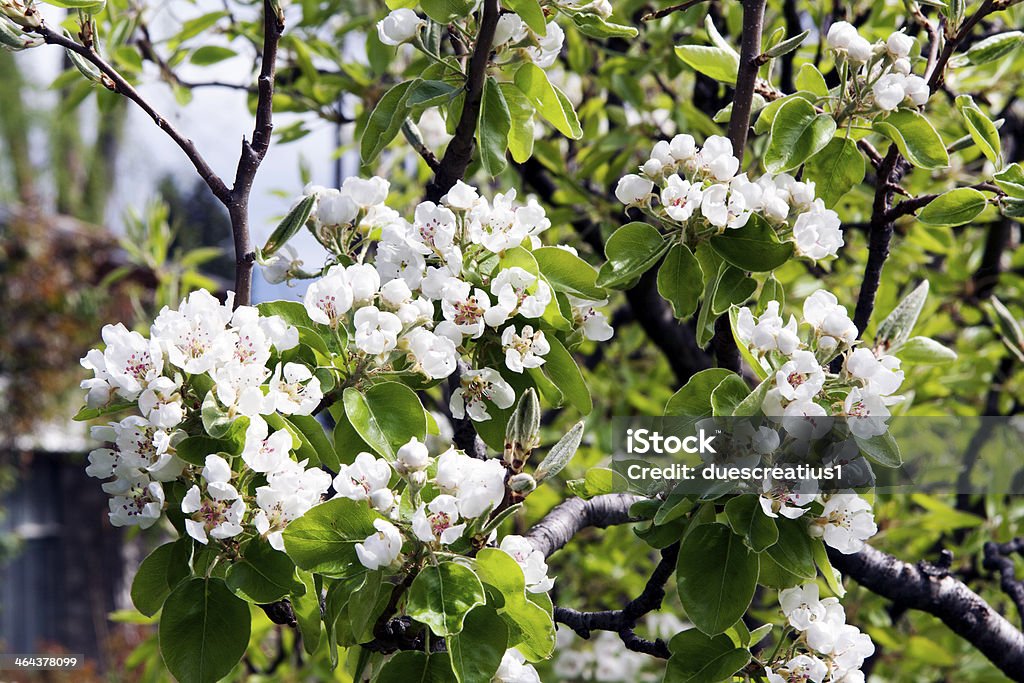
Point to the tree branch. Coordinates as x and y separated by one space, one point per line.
622 621
254 152
460 149
935 592
115 82
568 518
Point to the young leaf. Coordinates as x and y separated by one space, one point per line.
568 273
898 325
713 62
441 595
716 576
798 133
955 207
385 121
835 170
915 137
680 281
290 225
204 631
560 454
926 351
631 251
493 128
323 540
551 102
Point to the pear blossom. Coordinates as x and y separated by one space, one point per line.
817 233
435 522
843 38
478 485
515 669
381 548
801 377
219 514
465 306
899 45
376 331
476 387
633 189
524 350
866 413
517 291
778 498
329 298
803 607
881 376
433 354
265 453
531 561
127 365
548 46
334 209
294 390
367 192
802 668
161 403
283 266
768 332
399 26
680 198
290 492
362 478
237 387
831 322
717 158
413 456
461 197
593 322
845 523
141 505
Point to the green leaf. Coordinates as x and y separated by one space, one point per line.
476 652
211 54
749 521
835 170
898 325
551 102
86 413
306 606
204 631
1009 328
694 398
386 416
493 128
727 395
290 225
520 135
312 433
531 13
596 26
441 595
714 62
794 551
789 45
631 251
753 247
955 207
323 540
560 454
152 583
716 576
446 11
883 449
994 47
734 288
567 272
680 281
697 658
560 367
417 667
385 121
262 574
531 629
1011 180
981 129
87 6
926 351
915 137
798 133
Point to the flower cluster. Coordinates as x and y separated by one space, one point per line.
439 287
862 389
701 189
201 360
827 648
883 67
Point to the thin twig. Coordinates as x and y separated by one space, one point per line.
682 7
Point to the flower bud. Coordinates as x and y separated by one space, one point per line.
417 479
523 432
522 483
412 457
633 189
400 26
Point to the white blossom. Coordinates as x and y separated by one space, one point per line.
294 390
524 350
680 198
436 521
376 331
531 561
399 26
328 299
362 478
478 485
515 669
633 189
881 376
846 522
817 233
476 387
716 158
831 322
381 548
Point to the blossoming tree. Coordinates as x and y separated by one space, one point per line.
452 340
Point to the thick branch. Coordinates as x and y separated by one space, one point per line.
879 236
960 608
115 82
460 149
567 519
